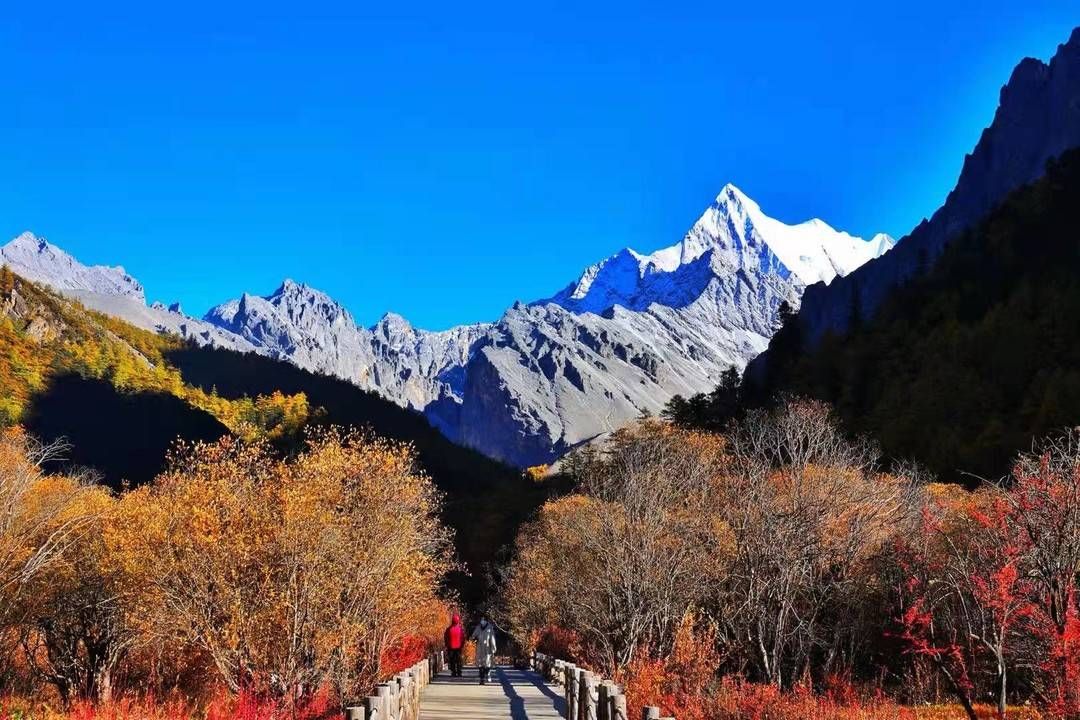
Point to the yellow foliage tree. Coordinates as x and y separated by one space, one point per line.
41 517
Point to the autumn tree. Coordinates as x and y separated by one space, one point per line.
937 616
621 561
771 532
46 521
1042 506
994 574
7 282
41 517
79 632
286 574
808 515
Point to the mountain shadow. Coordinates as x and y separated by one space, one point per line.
124 436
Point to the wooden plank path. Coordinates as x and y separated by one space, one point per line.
510 694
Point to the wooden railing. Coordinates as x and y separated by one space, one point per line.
399 697
588 697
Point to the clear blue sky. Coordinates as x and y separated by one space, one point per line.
445 159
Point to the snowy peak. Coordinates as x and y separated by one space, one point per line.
881 244
36 259
812 250
737 237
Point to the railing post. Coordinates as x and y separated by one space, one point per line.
406 696
650 712
570 688
355 712
385 692
602 700
618 707
398 695
376 707
587 696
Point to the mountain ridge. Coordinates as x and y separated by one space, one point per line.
551 374
1037 119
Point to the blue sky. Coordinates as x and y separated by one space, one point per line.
442 160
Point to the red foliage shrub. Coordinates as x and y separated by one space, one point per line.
678 683
129 708
1063 664
404 653
247 705
560 642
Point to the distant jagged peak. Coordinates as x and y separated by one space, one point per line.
292 301
290 288
35 258
295 294
393 325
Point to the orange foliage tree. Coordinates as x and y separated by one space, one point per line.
286 574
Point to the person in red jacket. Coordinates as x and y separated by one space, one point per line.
454 639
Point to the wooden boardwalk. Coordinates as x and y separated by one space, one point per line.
510 694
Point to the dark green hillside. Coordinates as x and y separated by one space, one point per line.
963 367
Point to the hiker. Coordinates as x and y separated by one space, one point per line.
454 639
484 635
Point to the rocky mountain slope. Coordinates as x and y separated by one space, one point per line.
1038 118
630 333
309 328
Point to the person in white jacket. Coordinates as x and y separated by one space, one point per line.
484 636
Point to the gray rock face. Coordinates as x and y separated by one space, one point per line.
309 328
1038 118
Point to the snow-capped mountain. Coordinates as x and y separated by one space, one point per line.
636 329
631 332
